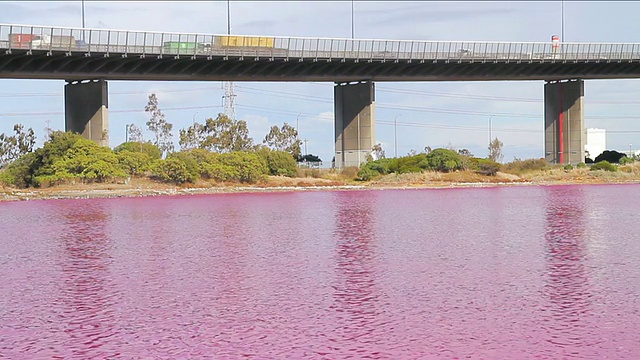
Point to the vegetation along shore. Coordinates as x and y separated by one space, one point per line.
220 157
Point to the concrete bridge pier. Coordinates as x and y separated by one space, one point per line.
354 122
86 109
564 136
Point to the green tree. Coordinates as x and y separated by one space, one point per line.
495 150
223 135
14 146
159 126
192 137
135 133
285 139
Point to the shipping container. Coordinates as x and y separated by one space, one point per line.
20 38
244 41
59 42
21 41
174 47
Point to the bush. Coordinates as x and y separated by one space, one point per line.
148 148
444 160
581 165
279 162
522 166
247 167
604 165
568 167
487 167
172 170
134 162
188 159
366 174
625 160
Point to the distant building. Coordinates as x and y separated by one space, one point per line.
596 142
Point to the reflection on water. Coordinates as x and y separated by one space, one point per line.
568 285
354 291
497 273
87 295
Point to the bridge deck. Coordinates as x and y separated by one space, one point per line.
75 53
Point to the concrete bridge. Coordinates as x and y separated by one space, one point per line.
87 58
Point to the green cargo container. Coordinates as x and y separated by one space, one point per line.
174 47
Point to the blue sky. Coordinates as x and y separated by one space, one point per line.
435 114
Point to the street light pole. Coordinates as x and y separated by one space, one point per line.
562 22
395 134
352 22
228 17
82 37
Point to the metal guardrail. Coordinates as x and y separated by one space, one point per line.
143 43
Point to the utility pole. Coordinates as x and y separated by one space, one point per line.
395 134
352 21
229 96
82 35
490 139
562 21
305 147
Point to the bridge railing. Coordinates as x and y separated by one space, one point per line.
124 42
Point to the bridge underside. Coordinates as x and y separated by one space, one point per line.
37 64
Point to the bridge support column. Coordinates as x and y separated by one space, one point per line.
564 136
354 123
86 110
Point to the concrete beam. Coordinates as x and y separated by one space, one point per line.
86 110
564 136
354 123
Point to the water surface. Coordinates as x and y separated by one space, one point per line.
490 273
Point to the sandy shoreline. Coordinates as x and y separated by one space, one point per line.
118 191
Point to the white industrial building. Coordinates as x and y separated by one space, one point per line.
596 142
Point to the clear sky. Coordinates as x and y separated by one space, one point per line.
435 114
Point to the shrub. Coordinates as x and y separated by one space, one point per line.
444 160
487 167
521 166
279 162
148 148
581 165
247 167
188 159
625 160
134 162
172 170
603 165
568 167
366 174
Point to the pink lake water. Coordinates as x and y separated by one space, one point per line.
482 273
